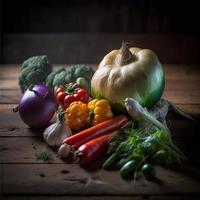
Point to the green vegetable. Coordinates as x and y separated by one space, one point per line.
45 156
137 112
70 74
161 157
85 83
59 79
128 169
51 76
148 171
34 71
122 162
111 161
144 144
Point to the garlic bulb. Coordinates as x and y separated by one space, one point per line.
56 133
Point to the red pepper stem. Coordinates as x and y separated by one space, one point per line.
71 89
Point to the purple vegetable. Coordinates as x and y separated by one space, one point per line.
37 106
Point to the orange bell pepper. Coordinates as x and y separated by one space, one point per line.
76 115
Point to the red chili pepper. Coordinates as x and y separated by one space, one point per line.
96 131
92 150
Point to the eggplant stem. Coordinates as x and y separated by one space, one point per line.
31 89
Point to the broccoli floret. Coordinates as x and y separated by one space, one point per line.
51 77
59 79
70 74
34 71
83 71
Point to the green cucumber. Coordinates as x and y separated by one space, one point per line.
148 171
128 169
122 162
111 162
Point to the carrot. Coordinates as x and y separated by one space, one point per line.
98 130
92 150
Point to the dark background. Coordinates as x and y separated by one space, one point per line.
83 31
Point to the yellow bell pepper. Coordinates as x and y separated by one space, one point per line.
77 115
100 111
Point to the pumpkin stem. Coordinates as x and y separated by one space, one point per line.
126 56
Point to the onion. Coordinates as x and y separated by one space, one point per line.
37 106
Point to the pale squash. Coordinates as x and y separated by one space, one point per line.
129 72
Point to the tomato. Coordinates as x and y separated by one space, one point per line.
68 100
84 93
60 89
66 94
81 95
60 97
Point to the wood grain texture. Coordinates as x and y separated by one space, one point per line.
25 150
71 179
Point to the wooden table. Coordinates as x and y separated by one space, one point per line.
24 177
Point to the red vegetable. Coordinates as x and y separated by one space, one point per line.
37 106
92 150
98 130
66 94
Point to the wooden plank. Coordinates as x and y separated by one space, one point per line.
11 84
183 97
9 119
64 179
179 72
181 85
184 85
25 150
56 46
10 96
103 197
